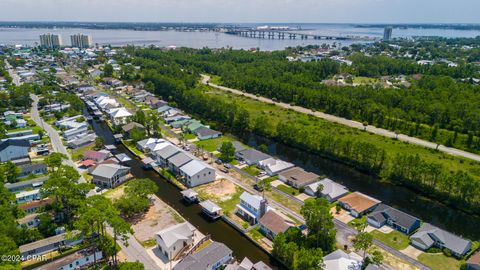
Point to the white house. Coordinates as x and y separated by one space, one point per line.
119 116
340 260
77 260
175 239
330 190
197 173
27 196
274 166
251 207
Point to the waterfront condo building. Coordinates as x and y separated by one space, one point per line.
50 41
81 41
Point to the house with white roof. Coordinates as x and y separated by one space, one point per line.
340 260
110 175
28 196
251 207
330 190
197 173
175 239
119 116
151 144
274 166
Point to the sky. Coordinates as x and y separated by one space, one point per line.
244 11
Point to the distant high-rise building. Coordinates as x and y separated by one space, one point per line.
81 41
50 41
387 33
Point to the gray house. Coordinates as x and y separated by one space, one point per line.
27 169
12 149
110 175
205 133
210 257
50 244
28 184
297 177
430 236
251 156
400 221
165 153
330 189
178 160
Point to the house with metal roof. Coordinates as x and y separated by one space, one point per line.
110 175
205 133
271 224
50 244
27 184
78 260
430 236
330 189
211 257
210 209
165 153
96 155
178 160
191 126
274 166
32 169
150 144
119 116
28 196
196 173
251 156
251 207
400 221
340 260
11 149
175 239
358 203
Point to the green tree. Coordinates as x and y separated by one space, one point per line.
54 160
227 152
319 220
99 142
46 225
363 242
108 70
10 171
136 200
137 134
131 266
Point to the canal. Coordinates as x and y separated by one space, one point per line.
170 194
438 214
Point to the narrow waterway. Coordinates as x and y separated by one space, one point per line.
170 194
399 197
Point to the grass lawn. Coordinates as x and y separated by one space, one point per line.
213 144
215 79
292 205
354 223
252 170
395 239
149 243
288 189
439 261
234 162
131 145
364 80
77 154
189 136
256 234
229 205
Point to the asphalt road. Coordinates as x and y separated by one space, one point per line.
347 122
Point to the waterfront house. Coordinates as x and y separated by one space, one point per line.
251 156
251 207
358 203
163 109
78 260
33 206
83 141
32 169
11 149
178 160
131 126
271 224
75 133
110 175
28 196
274 166
191 126
205 133
473 263
330 190
297 177
175 118
27 184
165 153
430 236
196 173
189 195
119 116
210 257
400 221
211 210
179 123
96 156
51 244
149 144
175 239
246 264
340 260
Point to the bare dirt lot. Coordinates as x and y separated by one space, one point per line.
219 188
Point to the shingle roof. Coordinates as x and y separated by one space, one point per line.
193 167
298 175
12 142
358 201
252 155
384 212
204 258
171 235
131 126
180 159
204 132
274 222
167 152
91 154
330 188
429 234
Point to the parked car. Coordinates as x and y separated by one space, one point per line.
218 161
261 174
224 170
258 188
227 165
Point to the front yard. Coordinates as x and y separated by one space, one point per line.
252 170
438 261
224 193
394 239
212 145
289 190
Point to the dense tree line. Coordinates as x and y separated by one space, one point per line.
435 108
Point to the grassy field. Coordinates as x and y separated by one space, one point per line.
395 239
131 145
364 80
274 115
358 221
213 144
439 261
77 154
189 136
252 170
256 234
288 190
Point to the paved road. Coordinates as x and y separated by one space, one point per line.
350 123
57 144
15 77
134 251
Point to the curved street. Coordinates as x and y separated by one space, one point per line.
347 122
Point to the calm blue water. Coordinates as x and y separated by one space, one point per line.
217 40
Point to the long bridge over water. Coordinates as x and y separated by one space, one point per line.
286 34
